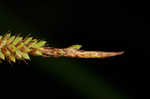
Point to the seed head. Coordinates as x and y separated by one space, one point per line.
14 48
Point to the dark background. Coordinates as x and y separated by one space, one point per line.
110 25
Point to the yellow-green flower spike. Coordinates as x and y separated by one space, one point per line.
14 48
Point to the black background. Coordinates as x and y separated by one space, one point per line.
111 25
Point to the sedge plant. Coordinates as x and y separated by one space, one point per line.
16 47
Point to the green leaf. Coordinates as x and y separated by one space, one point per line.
76 46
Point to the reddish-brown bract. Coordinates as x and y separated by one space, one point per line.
76 53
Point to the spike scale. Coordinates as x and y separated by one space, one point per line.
14 48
